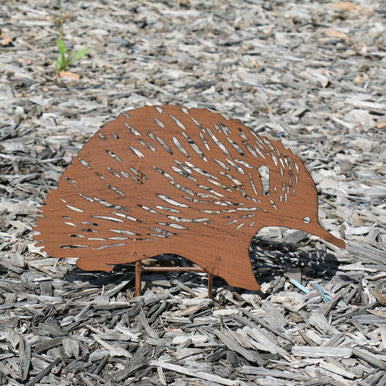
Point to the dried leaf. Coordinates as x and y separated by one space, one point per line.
381 125
337 34
348 6
380 296
6 41
68 74
380 313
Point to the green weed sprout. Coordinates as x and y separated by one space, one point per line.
64 60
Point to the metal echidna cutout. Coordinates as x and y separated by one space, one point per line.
172 180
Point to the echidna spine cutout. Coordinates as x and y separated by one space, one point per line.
171 180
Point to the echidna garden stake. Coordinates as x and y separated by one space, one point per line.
172 180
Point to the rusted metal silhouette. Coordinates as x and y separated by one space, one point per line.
171 180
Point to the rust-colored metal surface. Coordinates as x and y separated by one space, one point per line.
172 180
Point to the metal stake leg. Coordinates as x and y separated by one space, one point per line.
210 286
138 273
139 268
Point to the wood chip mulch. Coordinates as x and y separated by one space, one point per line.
311 73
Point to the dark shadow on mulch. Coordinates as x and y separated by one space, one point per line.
124 272
270 261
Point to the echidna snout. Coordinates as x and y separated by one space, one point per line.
301 213
172 180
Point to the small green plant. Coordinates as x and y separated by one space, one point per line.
64 60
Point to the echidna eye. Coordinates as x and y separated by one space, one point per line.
306 220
